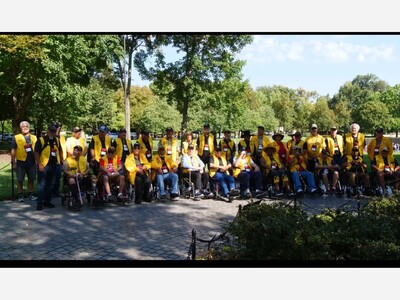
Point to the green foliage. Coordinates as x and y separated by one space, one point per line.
280 232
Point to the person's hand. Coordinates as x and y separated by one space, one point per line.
14 165
41 167
159 171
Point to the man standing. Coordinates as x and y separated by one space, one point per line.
23 159
146 144
170 144
354 139
98 148
228 146
376 145
75 140
314 144
123 147
206 144
48 154
258 142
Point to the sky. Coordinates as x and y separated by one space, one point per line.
321 63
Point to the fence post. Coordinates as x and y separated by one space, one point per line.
194 244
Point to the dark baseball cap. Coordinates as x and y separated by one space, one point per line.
218 149
52 128
379 130
103 128
76 129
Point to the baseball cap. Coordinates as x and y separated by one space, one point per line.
314 126
261 127
379 130
122 130
227 131
190 146
206 125
218 149
136 145
76 129
52 128
169 129
103 128
333 127
297 133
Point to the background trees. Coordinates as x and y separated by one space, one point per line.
86 80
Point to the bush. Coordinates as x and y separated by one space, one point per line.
280 232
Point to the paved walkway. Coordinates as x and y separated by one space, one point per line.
150 231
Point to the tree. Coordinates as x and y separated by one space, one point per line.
391 98
373 114
205 59
322 115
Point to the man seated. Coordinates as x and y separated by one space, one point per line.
248 173
219 172
164 168
298 167
192 162
328 171
76 169
271 163
387 168
356 171
110 171
138 167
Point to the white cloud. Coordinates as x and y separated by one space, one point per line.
326 49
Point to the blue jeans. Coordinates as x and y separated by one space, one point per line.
169 176
45 185
308 176
224 179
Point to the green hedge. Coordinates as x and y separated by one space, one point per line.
280 232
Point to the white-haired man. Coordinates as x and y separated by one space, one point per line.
354 139
23 159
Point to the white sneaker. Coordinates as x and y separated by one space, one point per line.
21 198
32 198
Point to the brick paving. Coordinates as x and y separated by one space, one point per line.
150 231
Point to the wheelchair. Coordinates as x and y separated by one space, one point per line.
187 188
100 198
85 189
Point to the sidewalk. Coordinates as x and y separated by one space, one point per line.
150 231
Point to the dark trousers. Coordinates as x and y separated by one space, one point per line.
142 187
56 188
250 180
45 184
200 180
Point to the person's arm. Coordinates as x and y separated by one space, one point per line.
13 152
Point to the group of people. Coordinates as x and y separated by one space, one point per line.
255 163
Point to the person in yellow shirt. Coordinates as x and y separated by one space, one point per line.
23 159
170 143
123 147
290 142
228 147
280 147
354 139
206 144
75 140
387 168
98 148
165 169
188 141
146 144
314 144
356 171
245 142
258 142
138 168
378 143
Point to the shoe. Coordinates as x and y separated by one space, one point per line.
247 193
31 197
313 192
109 198
49 205
234 192
39 207
210 195
224 198
198 195
278 193
291 194
121 197
260 193
174 197
21 198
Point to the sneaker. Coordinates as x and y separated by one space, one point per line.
260 193
32 197
121 197
247 193
174 197
291 194
313 191
109 198
278 193
197 194
224 198
234 192
21 198
163 198
39 207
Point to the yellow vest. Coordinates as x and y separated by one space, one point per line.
71 143
226 148
114 161
20 140
216 161
130 166
202 143
143 148
120 147
380 162
293 143
315 144
254 143
268 162
97 146
331 144
75 167
295 167
45 155
185 145
196 161
242 143
240 166
63 147
156 163
172 150
350 159
349 143
385 142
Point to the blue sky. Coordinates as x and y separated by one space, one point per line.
320 63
